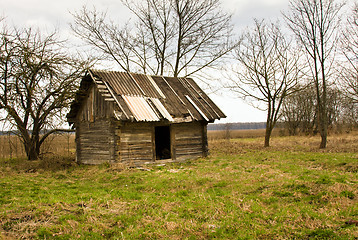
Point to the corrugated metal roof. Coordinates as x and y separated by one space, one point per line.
152 98
162 109
156 87
121 82
148 87
141 110
197 108
206 101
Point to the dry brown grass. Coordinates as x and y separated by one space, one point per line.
254 139
247 133
55 145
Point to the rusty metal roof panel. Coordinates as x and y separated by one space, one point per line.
156 87
172 103
197 101
125 83
140 108
197 108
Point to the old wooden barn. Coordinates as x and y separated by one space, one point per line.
135 119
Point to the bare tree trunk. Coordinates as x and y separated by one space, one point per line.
268 132
32 153
268 125
32 146
323 126
323 140
267 136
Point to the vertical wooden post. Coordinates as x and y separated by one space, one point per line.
112 141
118 142
205 139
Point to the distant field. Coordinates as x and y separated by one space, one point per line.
291 190
245 133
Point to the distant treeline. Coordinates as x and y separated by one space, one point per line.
236 126
7 133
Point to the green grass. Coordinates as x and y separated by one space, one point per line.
241 194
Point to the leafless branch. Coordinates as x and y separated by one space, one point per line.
38 79
268 70
315 25
171 37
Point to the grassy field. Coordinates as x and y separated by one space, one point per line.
291 190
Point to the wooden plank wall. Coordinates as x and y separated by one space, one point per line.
95 142
136 143
188 140
95 107
95 131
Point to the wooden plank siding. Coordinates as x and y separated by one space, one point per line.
95 130
95 142
188 140
95 107
135 143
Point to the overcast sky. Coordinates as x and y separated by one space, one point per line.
48 15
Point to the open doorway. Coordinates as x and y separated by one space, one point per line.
162 142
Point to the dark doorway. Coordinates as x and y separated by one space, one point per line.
162 142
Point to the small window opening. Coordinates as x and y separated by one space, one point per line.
162 142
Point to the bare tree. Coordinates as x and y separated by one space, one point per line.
315 23
299 111
267 72
349 43
349 114
173 37
37 82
